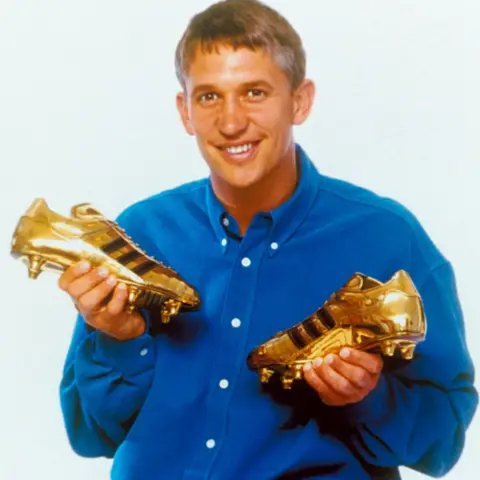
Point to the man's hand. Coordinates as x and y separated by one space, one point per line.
345 378
89 289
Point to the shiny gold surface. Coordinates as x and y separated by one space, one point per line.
46 240
364 314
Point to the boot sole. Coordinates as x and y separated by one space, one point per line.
403 344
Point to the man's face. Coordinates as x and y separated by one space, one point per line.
241 108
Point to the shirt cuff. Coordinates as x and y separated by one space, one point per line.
378 404
129 357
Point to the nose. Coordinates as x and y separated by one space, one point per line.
233 119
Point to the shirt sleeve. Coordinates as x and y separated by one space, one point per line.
419 413
105 383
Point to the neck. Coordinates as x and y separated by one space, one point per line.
273 190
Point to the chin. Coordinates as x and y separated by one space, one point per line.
242 178
239 184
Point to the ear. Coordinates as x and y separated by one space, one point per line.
182 107
304 96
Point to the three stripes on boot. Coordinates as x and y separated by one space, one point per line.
311 328
118 243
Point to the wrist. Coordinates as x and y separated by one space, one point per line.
376 405
134 327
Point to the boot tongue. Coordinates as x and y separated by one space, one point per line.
85 211
355 282
359 282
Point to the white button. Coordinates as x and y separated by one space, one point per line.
224 242
236 322
143 352
246 262
226 222
210 443
274 246
223 384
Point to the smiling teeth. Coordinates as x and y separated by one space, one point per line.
240 149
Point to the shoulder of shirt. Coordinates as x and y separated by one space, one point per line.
183 194
395 218
362 198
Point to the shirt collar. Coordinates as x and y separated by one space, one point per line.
287 217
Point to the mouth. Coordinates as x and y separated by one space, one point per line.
239 153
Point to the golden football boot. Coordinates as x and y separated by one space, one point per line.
364 314
49 241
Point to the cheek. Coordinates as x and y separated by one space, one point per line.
273 117
203 122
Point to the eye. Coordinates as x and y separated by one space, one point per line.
255 94
208 97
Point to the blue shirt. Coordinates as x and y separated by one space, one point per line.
180 403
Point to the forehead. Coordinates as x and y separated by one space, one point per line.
228 67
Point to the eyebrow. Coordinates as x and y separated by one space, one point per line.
207 87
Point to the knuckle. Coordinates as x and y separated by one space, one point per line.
345 386
362 379
82 305
112 308
330 374
72 291
379 364
318 384
309 376
85 305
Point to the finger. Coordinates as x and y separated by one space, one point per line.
338 383
87 282
72 273
369 361
117 303
356 375
328 396
94 298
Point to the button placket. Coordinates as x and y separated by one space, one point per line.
238 305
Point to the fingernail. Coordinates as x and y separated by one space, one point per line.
307 367
317 362
344 353
329 359
111 280
103 272
122 287
83 266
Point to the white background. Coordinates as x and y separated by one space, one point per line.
87 113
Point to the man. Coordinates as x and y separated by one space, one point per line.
266 239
